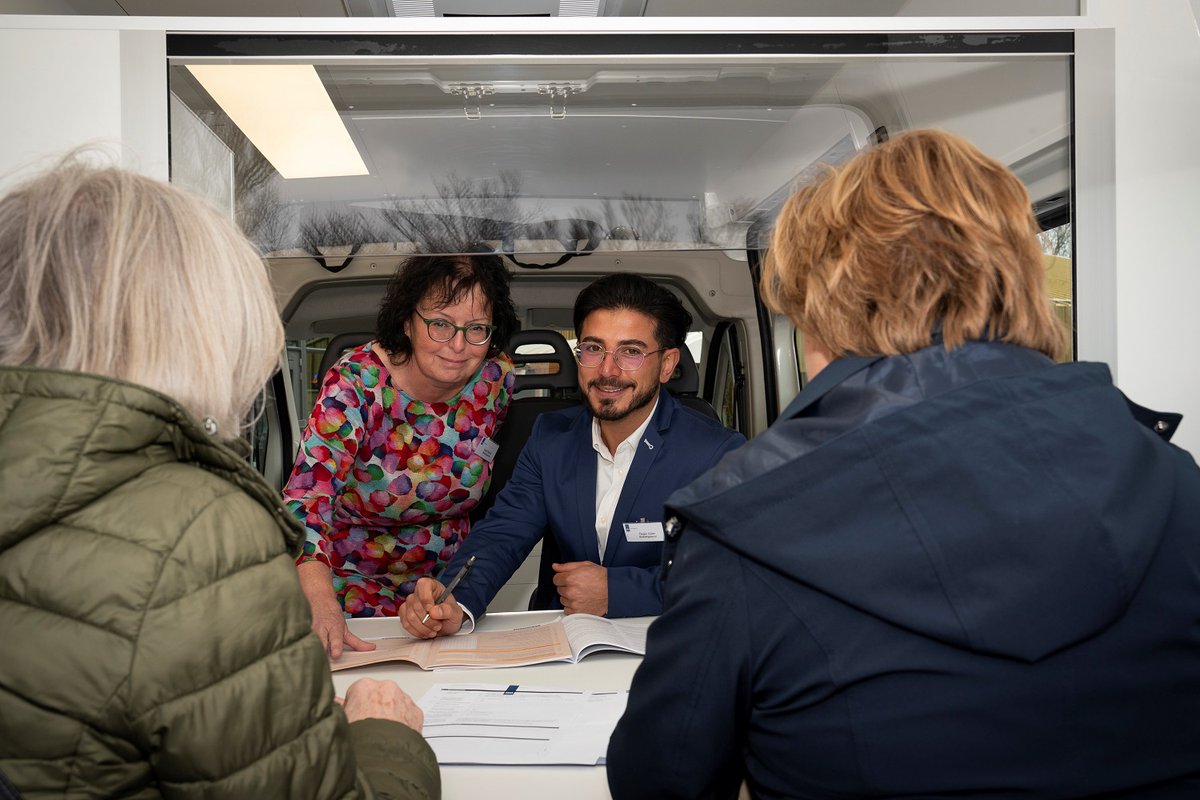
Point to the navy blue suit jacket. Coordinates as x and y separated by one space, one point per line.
553 488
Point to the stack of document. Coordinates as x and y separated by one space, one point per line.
497 724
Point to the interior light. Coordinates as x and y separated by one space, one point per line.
287 114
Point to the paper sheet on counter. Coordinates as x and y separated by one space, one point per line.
519 724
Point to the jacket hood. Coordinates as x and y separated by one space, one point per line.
68 438
983 497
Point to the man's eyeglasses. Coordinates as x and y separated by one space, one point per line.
441 330
627 357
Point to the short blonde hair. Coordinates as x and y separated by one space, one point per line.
919 232
112 273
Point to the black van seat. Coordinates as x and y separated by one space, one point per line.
685 385
554 374
337 347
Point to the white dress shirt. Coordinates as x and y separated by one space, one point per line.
611 471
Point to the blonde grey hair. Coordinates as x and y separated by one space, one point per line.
112 273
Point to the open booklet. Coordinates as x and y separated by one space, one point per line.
568 638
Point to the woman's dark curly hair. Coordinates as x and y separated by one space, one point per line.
443 280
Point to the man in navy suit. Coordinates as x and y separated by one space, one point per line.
595 476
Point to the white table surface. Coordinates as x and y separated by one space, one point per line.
605 670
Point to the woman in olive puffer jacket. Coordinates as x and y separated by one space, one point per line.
155 639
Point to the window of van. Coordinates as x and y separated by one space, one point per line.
582 154
1056 244
575 154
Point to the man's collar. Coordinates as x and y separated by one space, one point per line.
598 440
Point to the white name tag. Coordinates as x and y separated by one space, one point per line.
487 449
643 532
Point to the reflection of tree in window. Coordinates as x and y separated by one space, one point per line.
634 218
1056 245
739 215
1056 241
465 212
338 235
257 208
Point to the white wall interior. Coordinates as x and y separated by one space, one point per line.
59 90
1157 75
144 145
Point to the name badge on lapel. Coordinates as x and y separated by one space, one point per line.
487 449
643 531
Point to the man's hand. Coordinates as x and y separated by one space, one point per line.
328 621
371 699
444 618
582 587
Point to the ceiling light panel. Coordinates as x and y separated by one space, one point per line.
286 112
499 8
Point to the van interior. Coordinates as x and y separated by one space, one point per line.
576 156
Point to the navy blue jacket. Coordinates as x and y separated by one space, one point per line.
553 488
947 574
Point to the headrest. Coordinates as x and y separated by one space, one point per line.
337 346
537 346
685 380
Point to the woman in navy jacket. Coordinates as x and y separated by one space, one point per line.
952 568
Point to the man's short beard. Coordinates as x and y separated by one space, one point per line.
603 411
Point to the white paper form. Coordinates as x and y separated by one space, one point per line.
497 724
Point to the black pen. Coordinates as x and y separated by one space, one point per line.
462 573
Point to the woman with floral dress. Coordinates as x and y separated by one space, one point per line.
398 449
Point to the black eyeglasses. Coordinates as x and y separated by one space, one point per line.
627 357
442 330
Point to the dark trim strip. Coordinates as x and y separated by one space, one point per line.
244 45
1071 218
766 333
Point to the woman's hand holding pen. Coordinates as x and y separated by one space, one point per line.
444 618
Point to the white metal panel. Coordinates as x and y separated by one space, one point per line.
1157 184
1095 199
143 103
58 90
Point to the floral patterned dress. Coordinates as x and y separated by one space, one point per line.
384 482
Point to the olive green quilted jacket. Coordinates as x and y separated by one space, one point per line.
154 641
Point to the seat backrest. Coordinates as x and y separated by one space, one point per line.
544 361
685 385
527 349
337 347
